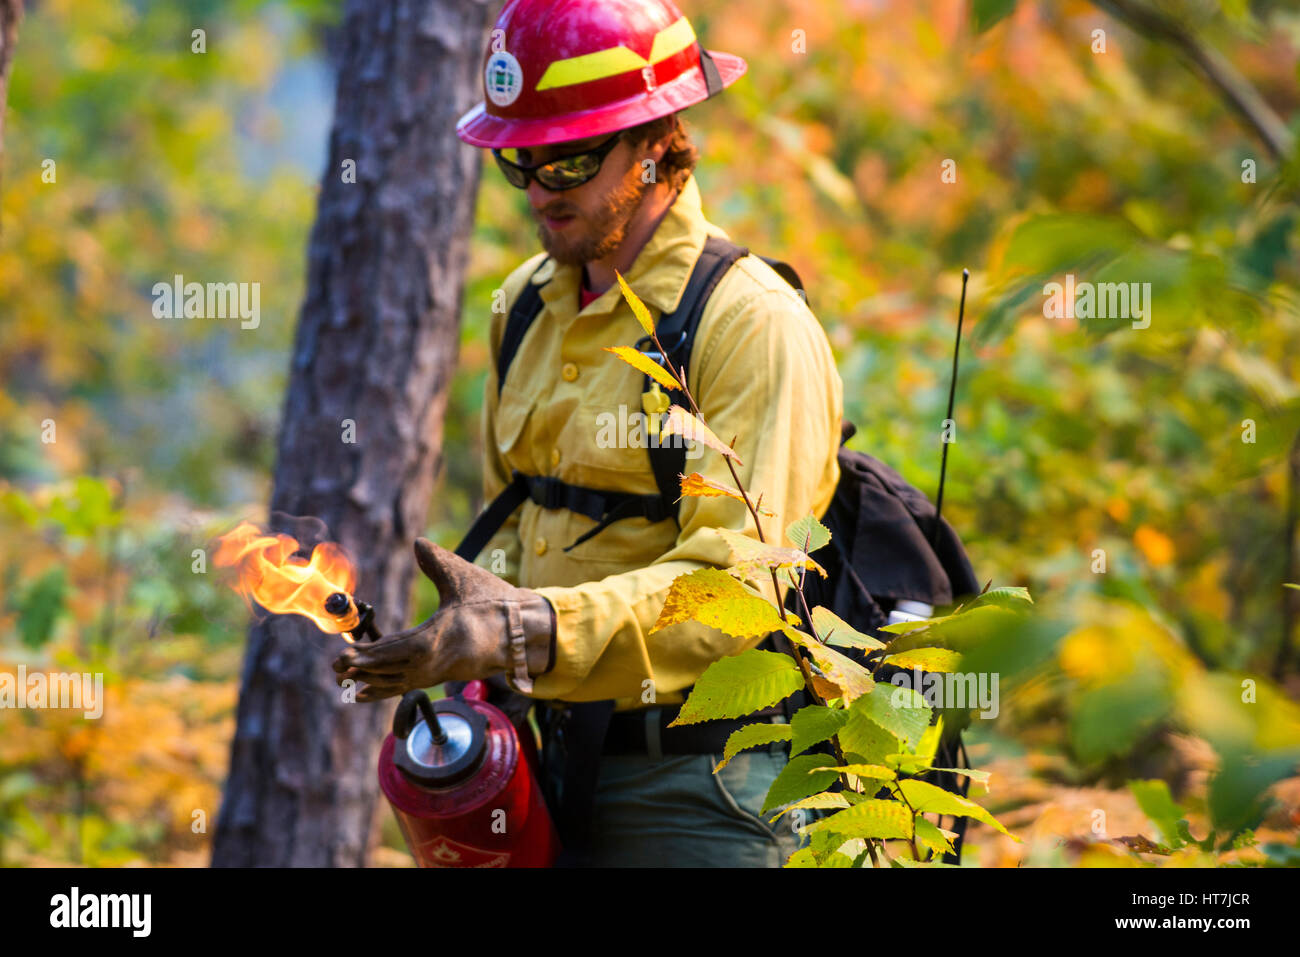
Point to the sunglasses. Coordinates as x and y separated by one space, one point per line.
563 172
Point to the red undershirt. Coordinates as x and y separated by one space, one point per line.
585 296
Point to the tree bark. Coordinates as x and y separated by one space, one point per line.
11 12
376 344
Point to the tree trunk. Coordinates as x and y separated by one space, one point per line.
11 11
375 351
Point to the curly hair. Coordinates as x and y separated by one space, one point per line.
680 157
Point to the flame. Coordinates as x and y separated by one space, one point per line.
270 574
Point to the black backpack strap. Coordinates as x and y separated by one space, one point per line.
492 518
584 729
677 331
786 272
526 308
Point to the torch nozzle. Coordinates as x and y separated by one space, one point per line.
340 604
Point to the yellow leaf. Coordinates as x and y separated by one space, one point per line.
638 307
827 690
643 363
851 679
691 428
749 553
697 485
926 659
747 617
692 590
714 598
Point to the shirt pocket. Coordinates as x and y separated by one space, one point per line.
607 447
514 410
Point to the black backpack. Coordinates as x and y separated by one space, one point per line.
881 529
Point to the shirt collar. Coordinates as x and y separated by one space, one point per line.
659 273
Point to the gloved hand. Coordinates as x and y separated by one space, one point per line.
483 626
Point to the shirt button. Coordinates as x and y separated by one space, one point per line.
555 456
569 371
539 546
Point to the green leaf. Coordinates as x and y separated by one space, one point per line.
794 783
871 818
807 534
926 659
1291 585
926 798
909 763
813 724
1158 805
932 837
803 857
752 736
740 685
864 741
817 801
1008 596
903 627
979 777
874 772
905 862
40 607
834 630
907 719
985 13
836 859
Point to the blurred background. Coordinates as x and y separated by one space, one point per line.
1169 451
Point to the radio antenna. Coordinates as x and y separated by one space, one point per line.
952 393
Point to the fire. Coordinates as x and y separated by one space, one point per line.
270 574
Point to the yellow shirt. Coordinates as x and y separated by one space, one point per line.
761 369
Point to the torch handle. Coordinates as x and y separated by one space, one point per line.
365 629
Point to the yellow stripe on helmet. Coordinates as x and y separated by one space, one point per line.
670 40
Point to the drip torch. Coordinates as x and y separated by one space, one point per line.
460 779
461 783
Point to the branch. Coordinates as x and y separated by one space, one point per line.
1235 89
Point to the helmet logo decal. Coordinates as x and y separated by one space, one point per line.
503 78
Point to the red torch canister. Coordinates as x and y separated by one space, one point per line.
462 787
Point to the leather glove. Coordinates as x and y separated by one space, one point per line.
484 626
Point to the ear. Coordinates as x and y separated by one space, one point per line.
452 575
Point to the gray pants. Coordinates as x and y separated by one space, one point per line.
673 811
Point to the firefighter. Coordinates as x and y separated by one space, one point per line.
581 113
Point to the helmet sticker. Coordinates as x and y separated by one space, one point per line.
503 78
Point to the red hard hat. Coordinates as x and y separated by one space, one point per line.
559 70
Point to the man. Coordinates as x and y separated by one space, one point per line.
581 113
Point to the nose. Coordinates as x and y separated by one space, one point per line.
539 196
